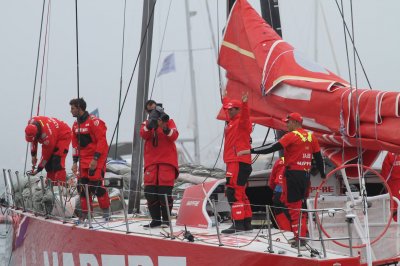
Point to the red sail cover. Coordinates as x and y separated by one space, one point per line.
280 81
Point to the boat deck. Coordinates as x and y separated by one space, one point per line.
256 240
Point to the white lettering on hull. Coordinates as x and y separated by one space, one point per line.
67 259
88 260
111 260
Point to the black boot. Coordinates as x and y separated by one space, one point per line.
155 213
152 224
237 226
247 224
106 214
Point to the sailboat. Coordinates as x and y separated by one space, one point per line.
259 61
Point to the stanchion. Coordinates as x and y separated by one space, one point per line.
320 237
12 188
89 214
43 195
6 185
121 192
350 219
217 223
270 246
20 191
60 192
169 216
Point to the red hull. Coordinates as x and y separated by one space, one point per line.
48 242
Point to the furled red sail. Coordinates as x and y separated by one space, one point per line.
280 80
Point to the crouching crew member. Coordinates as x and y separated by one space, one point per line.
277 183
55 137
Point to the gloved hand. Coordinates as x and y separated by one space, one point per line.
166 130
323 176
91 172
74 168
34 160
34 172
151 124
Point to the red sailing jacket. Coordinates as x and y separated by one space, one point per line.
165 150
52 131
277 173
299 146
92 140
391 167
237 136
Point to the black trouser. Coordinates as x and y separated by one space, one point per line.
297 185
155 196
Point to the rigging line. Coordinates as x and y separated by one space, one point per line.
77 81
34 82
133 72
357 111
221 83
346 29
219 152
43 57
120 77
162 43
347 58
213 44
47 63
210 142
37 58
77 47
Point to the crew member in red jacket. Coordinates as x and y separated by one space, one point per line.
277 183
299 148
238 167
160 162
90 150
391 173
55 137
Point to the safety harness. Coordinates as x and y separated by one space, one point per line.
304 139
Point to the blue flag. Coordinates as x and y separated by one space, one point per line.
95 112
168 65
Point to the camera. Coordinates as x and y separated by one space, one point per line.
155 115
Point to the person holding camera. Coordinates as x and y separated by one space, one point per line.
160 162
90 149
